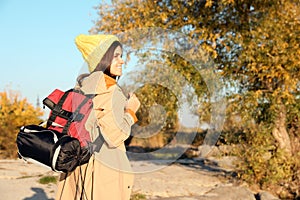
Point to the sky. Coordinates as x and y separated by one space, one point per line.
37 52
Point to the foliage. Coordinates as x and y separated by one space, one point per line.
279 171
14 113
268 73
156 114
164 97
255 49
268 70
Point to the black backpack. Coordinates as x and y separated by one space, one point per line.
57 149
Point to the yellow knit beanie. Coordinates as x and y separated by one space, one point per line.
93 47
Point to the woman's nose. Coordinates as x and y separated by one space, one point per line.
121 61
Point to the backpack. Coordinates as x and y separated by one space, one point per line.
69 112
64 143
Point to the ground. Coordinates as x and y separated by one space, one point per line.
185 179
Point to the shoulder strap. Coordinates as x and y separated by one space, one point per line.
98 143
76 116
57 109
69 116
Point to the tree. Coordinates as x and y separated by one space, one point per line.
268 69
230 31
14 113
255 48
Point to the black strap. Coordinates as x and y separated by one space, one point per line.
83 192
98 143
63 113
93 147
76 115
57 110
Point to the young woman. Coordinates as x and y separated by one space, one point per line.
108 174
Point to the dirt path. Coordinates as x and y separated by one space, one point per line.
19 181
183 180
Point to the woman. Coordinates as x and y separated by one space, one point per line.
107 175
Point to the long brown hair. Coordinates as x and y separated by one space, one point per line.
105 62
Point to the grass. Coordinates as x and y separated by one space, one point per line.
25 176
47 179
137 196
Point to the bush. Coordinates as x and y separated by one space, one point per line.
266 166
14 113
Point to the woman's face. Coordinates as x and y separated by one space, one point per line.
117 62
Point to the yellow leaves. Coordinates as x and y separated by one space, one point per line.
164 17
258 94
210 49
285 45
15 112
227 2
209 3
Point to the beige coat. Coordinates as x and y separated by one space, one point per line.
108 174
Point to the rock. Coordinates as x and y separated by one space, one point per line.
229 193
225 162
266 196
206 150
220 193
192 152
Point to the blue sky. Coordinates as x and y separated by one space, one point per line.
38 53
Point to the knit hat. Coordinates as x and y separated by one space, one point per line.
93 47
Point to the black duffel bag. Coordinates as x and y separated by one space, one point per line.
61 152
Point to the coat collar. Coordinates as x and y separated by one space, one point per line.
97 83
109 81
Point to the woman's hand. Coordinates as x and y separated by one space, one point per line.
133 103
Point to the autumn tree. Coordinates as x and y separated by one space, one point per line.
14 113
268 69
268 74
254 46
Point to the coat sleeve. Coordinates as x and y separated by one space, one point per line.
114 122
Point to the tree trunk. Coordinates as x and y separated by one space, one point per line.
280 133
